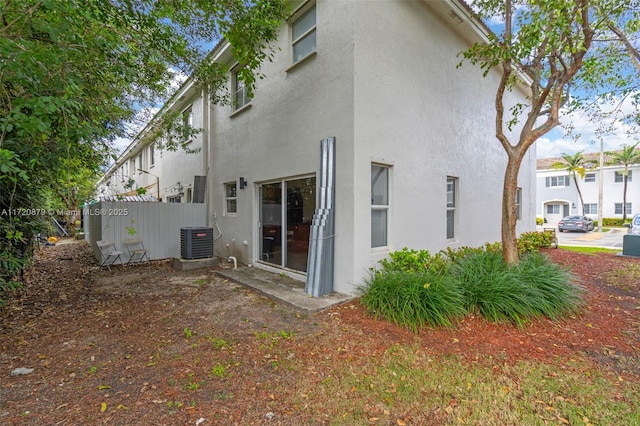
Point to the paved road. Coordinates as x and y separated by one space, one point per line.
611 239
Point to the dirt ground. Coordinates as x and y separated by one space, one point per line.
151 345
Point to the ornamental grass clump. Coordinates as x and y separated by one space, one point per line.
414 288
413 299
518 293
560 295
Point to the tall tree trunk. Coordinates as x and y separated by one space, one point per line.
575 180
509 212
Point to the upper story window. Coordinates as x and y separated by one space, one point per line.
619 177
152 154
187 124
590 177
140 168
557 181
240 96
132 167
303 34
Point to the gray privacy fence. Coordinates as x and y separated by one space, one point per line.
158 224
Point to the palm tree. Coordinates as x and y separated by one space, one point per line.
576 166
627 156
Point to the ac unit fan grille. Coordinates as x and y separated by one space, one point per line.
196 243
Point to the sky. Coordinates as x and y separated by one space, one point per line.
585 136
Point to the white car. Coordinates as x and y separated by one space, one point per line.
634 226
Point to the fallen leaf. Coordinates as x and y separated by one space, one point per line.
103 387
401 422
103 407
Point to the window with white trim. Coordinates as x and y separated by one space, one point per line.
152 154
187 124
230 198
132 167
140 168
379 206
619 177
618 208
557 181
591 208
240 95
303 34
553 208
590 177
452 203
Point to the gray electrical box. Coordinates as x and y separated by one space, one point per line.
631 245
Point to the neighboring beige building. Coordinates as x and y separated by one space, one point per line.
416 160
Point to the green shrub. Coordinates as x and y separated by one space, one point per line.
614 221
491 290
518 293
413 299
406 260
560 296
414 288
532 242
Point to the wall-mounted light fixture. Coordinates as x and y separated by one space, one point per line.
243 183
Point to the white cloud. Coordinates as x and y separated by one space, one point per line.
586 134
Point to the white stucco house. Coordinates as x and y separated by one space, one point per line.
416 160
557 196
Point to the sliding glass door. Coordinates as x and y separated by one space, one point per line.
286 211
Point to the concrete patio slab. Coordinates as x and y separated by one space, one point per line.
282 288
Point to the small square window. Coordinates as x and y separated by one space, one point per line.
619 176
591 208
303 35
590 177
553 208
618 208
